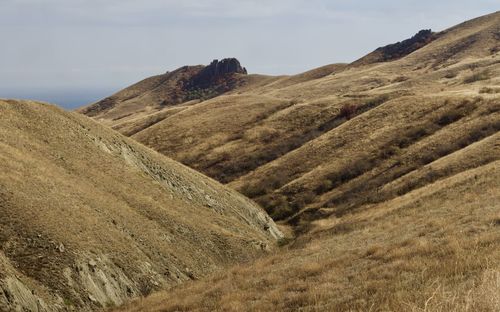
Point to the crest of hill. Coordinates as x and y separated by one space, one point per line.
188 83
400 49
90 218
478 37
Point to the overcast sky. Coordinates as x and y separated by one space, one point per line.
72 52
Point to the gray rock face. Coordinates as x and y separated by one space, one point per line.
216 71
226 66
405 47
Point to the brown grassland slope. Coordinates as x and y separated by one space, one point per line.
188 84
433 249
387 170
89 218
341 136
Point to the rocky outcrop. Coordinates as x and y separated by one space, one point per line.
172 88
399 49
216 72
405 47
218 69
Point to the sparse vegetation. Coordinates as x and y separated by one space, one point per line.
489 90
200 94
440 262
347 111
478 76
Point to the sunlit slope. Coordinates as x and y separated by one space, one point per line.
433 249
336 136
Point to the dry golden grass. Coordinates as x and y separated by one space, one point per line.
434 249
89 218
387 172
335 135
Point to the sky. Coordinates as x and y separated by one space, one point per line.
74 52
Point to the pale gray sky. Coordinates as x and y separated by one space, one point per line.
76 51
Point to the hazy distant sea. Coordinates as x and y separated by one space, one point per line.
68 99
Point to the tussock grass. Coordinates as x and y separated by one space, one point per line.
482 75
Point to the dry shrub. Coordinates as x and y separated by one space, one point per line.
450 75
483 75
374 251
489 90
400 79
261 134
276 205
348 111
342 228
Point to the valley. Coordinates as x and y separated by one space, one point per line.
364 186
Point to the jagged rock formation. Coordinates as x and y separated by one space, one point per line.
400 49
182 85
405 47
215 72
213 80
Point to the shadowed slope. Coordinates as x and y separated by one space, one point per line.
90 218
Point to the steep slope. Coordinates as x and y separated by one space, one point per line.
89 218
343 136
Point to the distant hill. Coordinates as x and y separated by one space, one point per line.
344 135
188 83
89 218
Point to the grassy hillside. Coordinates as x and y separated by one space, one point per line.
433 249
161 92
90 218
342 136
386 170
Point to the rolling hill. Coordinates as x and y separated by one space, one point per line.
387 171
90 218
188 84
331 140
